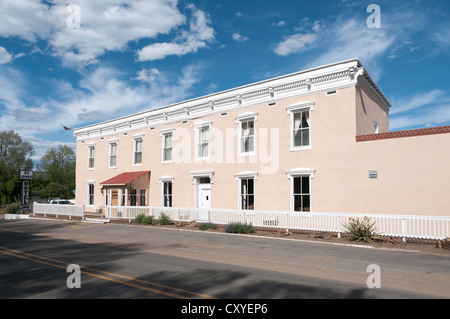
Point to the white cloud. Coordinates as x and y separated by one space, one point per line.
295 43
418 100
282 23
423 109
239 38
105 26
198 36
5 56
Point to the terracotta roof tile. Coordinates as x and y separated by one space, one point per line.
407 133
124 178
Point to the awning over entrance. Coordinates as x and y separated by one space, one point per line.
124 178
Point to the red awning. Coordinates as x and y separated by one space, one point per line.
124 178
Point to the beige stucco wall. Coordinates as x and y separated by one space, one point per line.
413 172
369 109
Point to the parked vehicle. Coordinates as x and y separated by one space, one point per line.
60 202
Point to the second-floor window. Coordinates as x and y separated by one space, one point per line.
91 156
137 154
247 136
112 154
167 147
203 142
301 129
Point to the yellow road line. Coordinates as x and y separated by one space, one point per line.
53 263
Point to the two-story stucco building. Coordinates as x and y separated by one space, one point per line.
316 140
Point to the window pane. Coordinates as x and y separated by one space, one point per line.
305 185
297 120
297 138
168 154
297 185
168 140
251 202
305 119
297 203
305 137
250 186
306 203
112 161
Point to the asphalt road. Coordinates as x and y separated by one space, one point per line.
134 262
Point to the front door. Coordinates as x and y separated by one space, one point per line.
204 201
114 197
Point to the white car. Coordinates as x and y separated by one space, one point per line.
61 202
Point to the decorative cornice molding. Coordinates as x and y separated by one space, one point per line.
328 77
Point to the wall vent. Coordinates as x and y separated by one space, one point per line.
373 174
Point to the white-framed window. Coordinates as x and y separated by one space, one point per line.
132 197
166 191
90 193
300 115
122 197
247 138
142 197
301 189
112 154
167 194
203 140
167 145
247 193
107 197
301 193
246 190
137 150
91 156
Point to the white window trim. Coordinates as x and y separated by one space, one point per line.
250 116
300 172
162 180
135 138
110 143
89 146
164 133
246 175
291 110
88 183
198 127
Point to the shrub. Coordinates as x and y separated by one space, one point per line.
139 218
149 220
164 219
362 230
12 208
207 226
239 228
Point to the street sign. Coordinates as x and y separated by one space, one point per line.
25 174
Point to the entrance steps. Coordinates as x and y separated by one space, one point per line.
95 218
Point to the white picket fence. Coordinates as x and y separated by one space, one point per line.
404 226
58 210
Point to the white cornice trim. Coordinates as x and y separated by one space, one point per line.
324 78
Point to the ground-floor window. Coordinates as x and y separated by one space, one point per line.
167 194
301 194
132 197
90 194
247 193
142 197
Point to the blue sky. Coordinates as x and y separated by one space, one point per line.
129 56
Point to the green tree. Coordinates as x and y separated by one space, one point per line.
14 155
57 173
